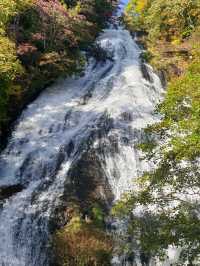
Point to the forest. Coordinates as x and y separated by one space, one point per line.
40 41
66 168
168 196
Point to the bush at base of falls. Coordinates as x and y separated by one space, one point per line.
83 242
41 41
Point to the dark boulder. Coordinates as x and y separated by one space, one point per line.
163 78
88 181
145 73
8 191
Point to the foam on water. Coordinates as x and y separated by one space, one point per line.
68 112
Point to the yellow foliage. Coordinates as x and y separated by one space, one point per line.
9 64
9 8
140 6
176 42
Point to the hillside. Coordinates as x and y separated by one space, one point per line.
41 41
169 194
99 133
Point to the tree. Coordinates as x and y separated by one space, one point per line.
168 198
165 209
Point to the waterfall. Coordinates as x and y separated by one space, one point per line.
104 111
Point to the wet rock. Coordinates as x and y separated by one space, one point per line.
127 116
8 191
145 73
70 148
67 116
86 184
145 259
112 145
105 124
163 79
86 98
125 140
131 258
140 39
100 54
88 181
176 70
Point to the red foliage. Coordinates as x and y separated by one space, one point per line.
38 36
26 48
47 7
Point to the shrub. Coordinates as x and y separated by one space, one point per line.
163 19
81 243
41 40
10 67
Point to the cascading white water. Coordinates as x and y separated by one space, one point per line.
37 156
